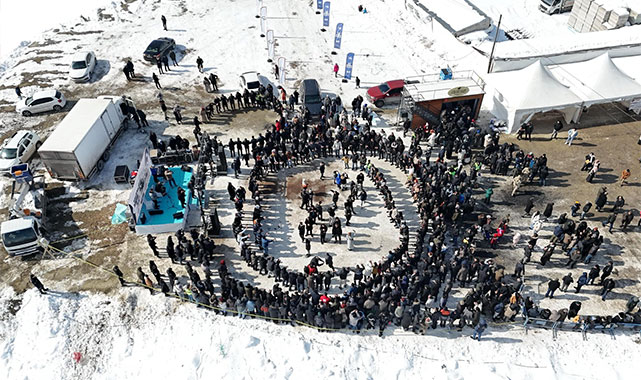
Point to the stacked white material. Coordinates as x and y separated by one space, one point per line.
578 13
618 17
598 15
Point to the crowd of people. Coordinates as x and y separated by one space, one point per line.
410 286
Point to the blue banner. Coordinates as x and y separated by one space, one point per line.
319 4
326 14
339 35
348 65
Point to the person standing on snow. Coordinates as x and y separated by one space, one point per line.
159 65
335 70
207 84
19 92
164 21
172 55
199 63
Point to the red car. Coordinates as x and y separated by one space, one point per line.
386 93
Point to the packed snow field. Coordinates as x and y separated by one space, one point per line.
131 334
127 333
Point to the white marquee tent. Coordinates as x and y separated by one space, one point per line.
520 94
597 81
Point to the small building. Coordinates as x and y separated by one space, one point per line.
425 97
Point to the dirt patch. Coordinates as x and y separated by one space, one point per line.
46 42
102 16
38 59
75 33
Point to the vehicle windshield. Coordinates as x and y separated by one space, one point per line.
154 47
15 238
253 85
9 153
548 2
28 100
312 99
79 65
384 88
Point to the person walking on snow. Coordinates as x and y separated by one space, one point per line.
164 21
36 282
156 80
479 328
335 70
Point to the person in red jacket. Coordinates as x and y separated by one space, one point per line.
335 70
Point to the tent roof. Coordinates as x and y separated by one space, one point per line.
533 88
598 80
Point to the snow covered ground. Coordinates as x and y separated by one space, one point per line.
131 334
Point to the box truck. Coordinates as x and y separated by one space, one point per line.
555 6
79 146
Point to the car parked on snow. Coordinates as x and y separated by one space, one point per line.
82 66
42 101
18 149
158 48
249 80
386 93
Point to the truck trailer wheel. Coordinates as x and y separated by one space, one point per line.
100 165
105 156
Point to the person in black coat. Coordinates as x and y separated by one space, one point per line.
529 205
548 210
120 275
36 282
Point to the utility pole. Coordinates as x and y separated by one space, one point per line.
496 35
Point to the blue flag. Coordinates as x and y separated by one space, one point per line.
339 35
326 14
319 4
349 64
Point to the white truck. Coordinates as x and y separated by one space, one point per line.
22 233
79 146
555 6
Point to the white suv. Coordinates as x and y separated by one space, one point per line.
42 101
18 149
82 66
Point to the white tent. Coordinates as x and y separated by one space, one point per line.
520 94
598 80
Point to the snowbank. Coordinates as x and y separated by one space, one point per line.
134 335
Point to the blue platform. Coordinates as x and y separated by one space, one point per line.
169 204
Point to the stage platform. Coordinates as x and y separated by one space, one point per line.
169 205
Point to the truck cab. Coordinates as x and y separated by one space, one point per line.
555 6
22 236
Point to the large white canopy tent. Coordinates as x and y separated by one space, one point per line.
520 94
598 80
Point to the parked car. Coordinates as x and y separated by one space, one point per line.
311 96
386 93
42 101
249 80
158 48
82 66
18 149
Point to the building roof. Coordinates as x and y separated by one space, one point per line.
430 87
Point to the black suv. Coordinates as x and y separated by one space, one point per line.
159 48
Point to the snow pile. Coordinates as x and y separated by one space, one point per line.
135 335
